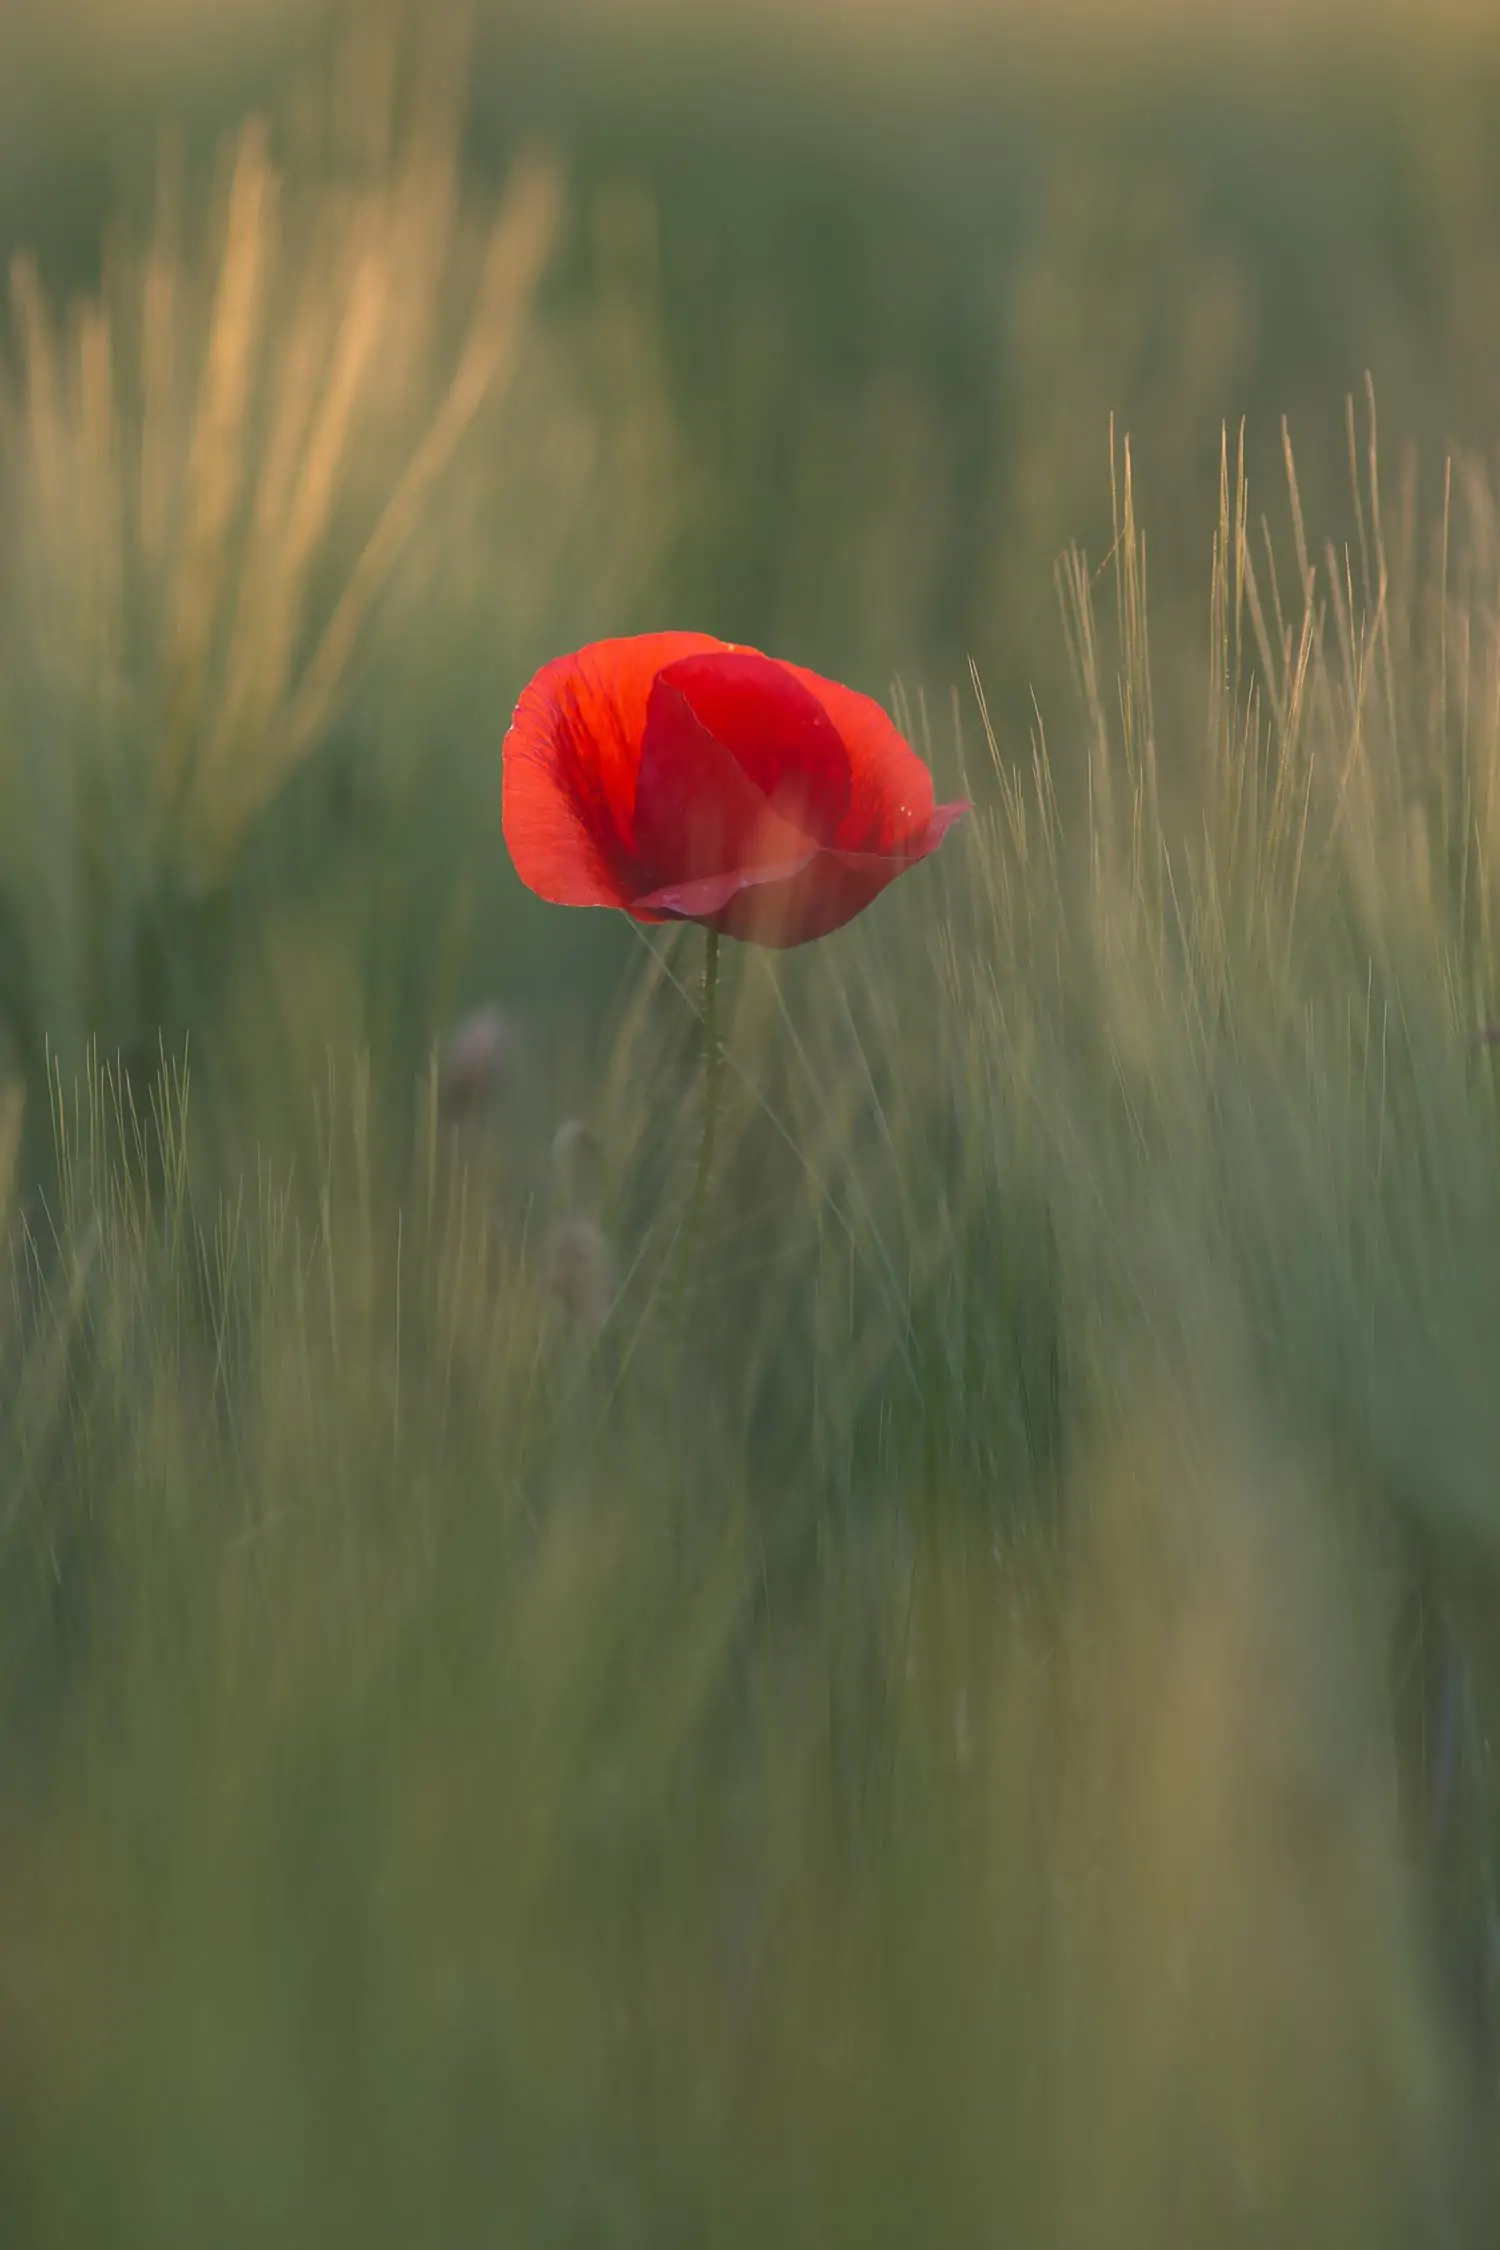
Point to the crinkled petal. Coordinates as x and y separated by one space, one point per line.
698 812
890 787
706 897
801 899
570 762
943 818
772 726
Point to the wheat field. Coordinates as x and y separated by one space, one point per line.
964 1711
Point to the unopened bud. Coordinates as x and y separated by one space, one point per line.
580 1272
478 1062
575 1164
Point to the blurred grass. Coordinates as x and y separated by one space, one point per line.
982 1728
827 366
935 1747
907 263
255 586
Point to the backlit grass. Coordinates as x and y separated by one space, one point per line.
966 1714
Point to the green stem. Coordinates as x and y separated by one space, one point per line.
712 1071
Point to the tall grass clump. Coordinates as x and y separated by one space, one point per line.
981 1730
285 506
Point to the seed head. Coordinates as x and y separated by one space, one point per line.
580 1272
480 1061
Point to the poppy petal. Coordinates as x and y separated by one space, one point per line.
943 818
775 729
569 767
801 899
707 896
697 811
891 793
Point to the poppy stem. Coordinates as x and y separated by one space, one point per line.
711 1070
686 1251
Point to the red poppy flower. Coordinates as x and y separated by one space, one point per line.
685 779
